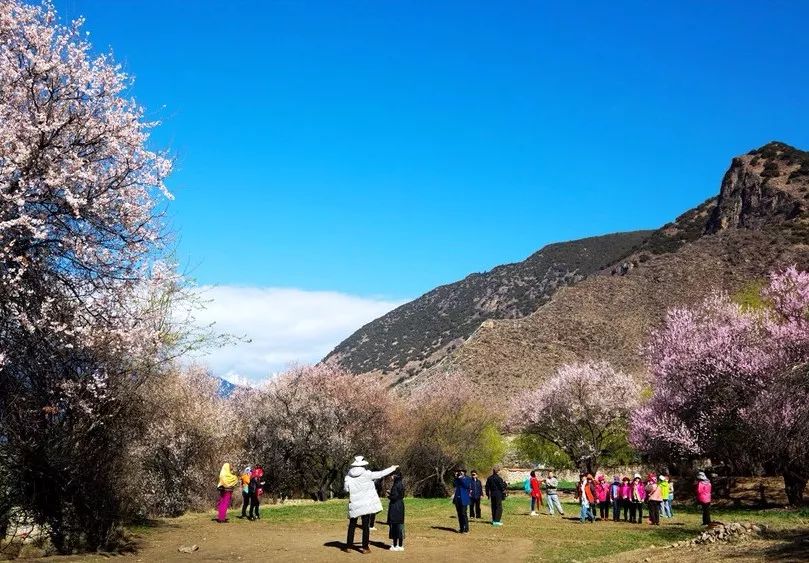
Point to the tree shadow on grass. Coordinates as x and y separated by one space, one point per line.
794 546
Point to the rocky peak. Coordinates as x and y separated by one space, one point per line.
766 186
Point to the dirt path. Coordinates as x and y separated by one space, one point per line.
313 542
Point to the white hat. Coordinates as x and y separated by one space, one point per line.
359 461
637 476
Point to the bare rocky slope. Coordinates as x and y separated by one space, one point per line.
421 333
758 222
595 298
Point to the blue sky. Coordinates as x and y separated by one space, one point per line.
379 148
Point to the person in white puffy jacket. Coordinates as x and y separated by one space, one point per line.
362 499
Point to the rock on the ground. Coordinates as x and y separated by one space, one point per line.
188 548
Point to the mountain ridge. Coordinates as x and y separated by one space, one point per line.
757 222
420 333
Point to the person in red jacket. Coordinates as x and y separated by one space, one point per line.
536 493
702 488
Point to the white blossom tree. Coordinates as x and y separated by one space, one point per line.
84 299
583 410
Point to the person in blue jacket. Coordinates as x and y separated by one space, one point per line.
475 495
461 498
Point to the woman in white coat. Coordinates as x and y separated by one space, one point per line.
362 499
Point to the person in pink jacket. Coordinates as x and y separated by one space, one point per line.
602 495
654 498
637 495
625 496
702 488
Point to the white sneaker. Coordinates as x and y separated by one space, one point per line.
372 529
400 548
533 513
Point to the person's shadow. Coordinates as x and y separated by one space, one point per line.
444 529
341 545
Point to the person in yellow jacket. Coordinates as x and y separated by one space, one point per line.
665 492
227 482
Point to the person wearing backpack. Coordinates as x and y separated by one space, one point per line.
534 488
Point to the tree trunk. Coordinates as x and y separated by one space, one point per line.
794 485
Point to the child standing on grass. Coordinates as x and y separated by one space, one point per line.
396 511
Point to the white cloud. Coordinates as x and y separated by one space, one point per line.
284 326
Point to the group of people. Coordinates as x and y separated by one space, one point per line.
252 484
628 496
624 495
469 490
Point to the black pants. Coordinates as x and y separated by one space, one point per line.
706 513
497 509
474 508
604 510
654 512
616 509
463 519
373 520
627 505
636 509
366 530
397 534
254 504
245 503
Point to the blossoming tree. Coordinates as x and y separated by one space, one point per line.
308 424
732 383
583 410
83 306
